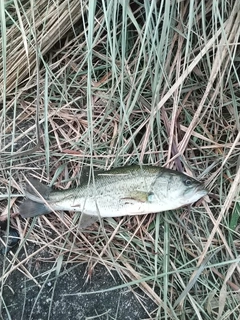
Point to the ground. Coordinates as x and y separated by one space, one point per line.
25 300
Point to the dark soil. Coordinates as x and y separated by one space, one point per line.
23 299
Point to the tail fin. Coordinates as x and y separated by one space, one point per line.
33 205
31 208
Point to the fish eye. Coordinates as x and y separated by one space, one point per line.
188 182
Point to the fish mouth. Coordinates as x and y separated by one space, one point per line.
201 189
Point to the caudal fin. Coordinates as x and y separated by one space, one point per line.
31 208
34 205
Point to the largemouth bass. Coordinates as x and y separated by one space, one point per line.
132 190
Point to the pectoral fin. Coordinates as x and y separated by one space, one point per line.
138 197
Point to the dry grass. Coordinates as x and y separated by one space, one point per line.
117 84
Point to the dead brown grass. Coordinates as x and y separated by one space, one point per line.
119 100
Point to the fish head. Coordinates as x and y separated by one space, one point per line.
177 188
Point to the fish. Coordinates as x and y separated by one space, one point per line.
124 191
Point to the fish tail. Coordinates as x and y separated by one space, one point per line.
33 205
30 208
